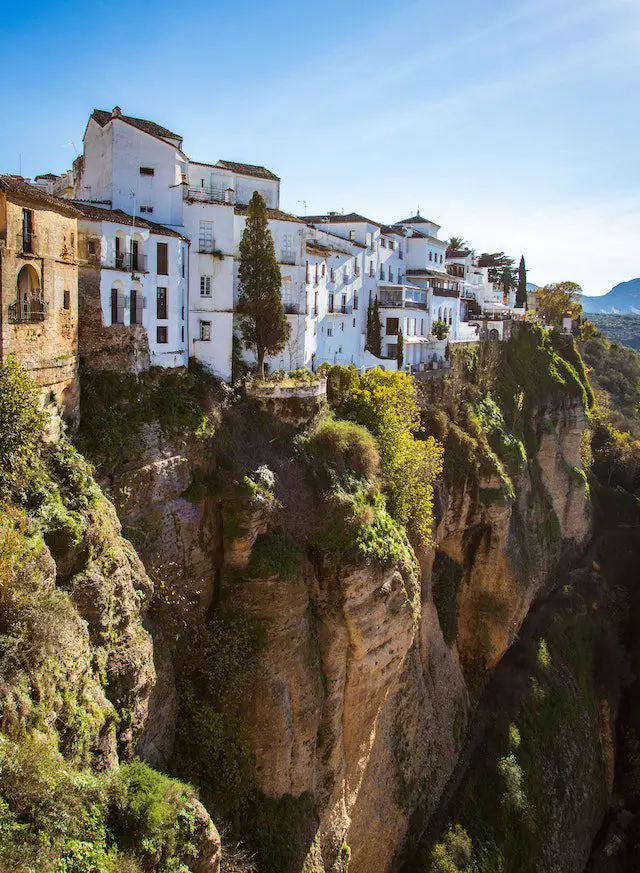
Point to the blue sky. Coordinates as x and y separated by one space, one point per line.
512 124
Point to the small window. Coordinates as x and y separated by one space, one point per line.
430 256
355 305
182 333
147 171
342 325
329 331
161 304
205 286
92 247
162 334
146 209
352 235
354 322
66 299
73 240
205 331
162 259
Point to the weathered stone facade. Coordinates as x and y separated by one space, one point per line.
39 290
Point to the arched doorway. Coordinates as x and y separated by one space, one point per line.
29 305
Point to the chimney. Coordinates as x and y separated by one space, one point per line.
229 196
116 112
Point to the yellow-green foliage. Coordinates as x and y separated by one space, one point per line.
21 427
387 405
58 820
337 447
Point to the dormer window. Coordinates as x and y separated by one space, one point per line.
147 171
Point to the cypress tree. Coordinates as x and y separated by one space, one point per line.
400 350
521 296
376 333
369 323
262 320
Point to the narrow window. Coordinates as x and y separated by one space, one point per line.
27 231
329 331
205 286
162 334
66 299
355 304
330 302
205 240
352 235
430 255
117 306
161 303
205 331
163 259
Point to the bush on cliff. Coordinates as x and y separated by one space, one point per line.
386 404
22 425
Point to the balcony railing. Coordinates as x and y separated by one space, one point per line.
130 261
345 309
288 258
27 311
26 242
294 309
206 246
206 195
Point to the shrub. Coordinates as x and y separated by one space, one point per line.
21 426
275 554
440 329
335 448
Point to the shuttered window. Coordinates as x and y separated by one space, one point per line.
117 306
163 259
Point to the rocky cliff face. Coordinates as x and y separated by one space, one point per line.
363 695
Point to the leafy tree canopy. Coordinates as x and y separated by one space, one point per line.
559 300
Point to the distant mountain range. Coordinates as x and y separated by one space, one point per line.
624 299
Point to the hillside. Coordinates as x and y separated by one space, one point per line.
622 299
623 329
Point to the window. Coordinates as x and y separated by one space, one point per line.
352 235
383 243
440 258
342 325
117 306
307 274
332 275
146 209
392 326
147 171
354 322
135 308
66 299
205 286
330 302
287 250
355 303
205 331
73 241
182 333
161 303
372 269
324 270
430 255
162 334
344 303
329 331
369 239
184 259
205 239
27 231
163 259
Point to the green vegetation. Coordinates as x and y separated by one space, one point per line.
114 407
440 329
559 300
21 427
621 329
275 553
374 328
263 322
58 820
521 776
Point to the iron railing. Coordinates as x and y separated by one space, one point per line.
288 258
27 311
207 195
341 309
130 261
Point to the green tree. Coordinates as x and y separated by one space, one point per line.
374 332
262 319
440 329
521 296
559 300
501 269
400 350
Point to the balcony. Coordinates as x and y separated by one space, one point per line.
289 259
207 247
26 242
294 309
27 312
130 261
204 195
345 309
400 297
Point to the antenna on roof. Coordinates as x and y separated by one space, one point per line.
304 203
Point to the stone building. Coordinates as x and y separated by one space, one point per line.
39 289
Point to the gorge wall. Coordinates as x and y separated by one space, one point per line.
361 694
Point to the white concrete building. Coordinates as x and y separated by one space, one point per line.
140 271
